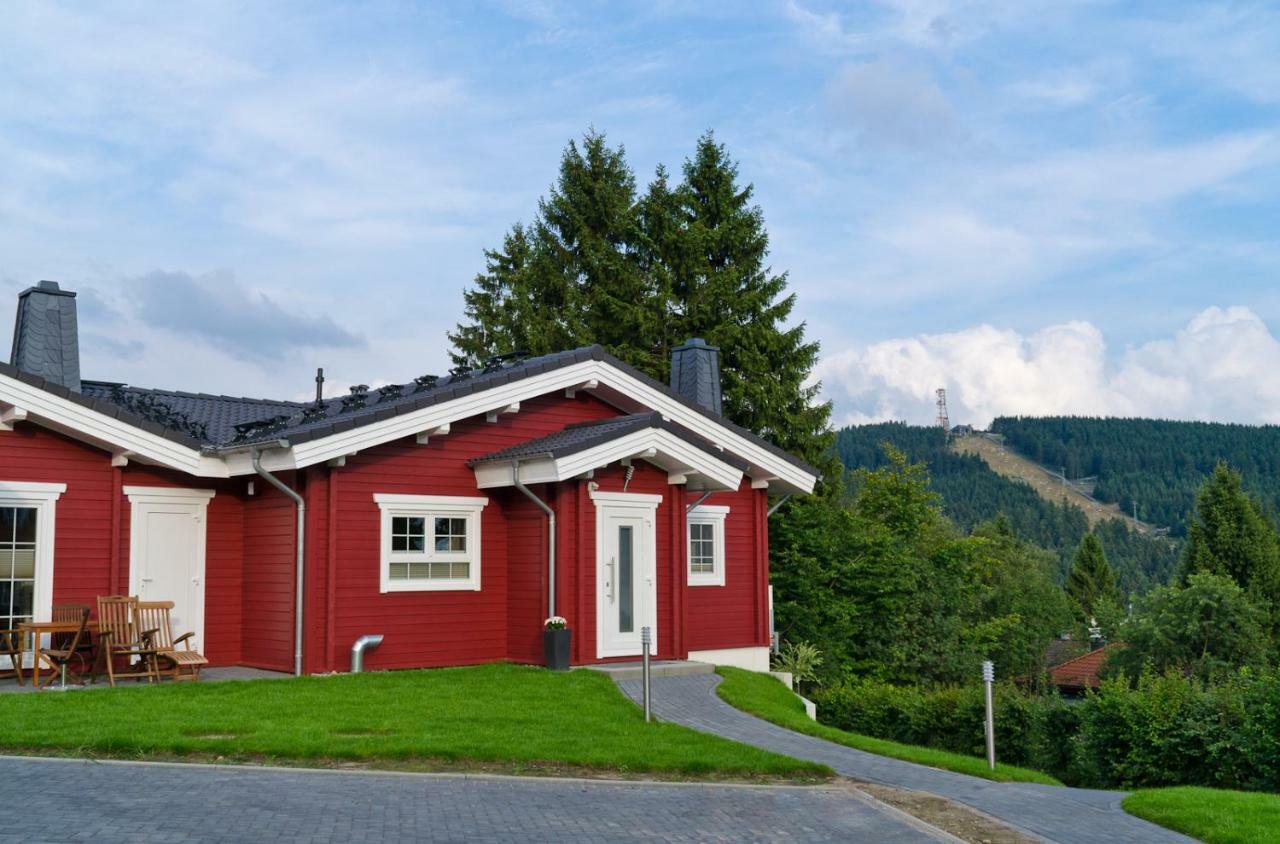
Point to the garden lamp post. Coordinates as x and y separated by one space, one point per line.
988 678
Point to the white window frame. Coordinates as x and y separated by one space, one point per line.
44 499
706 514
429 507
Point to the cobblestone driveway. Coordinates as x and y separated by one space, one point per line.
141 802
1063 815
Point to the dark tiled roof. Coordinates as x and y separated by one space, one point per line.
100 405
218 415
584 435
334 416
299 423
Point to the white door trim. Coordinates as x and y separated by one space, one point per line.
145 499
646 507
43 497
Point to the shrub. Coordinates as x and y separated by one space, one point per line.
801 659
1167 730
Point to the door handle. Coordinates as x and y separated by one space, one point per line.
145 579
613 573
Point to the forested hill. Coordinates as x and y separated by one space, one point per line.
972 493
1156 464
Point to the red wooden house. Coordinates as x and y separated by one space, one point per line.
451 515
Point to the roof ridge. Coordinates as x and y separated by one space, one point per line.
1084 655
191 395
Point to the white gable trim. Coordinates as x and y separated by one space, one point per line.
102 431
670 453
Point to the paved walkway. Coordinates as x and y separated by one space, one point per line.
156 802
1063 815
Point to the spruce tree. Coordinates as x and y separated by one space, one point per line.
1230 536
725 291
1091 580
640 275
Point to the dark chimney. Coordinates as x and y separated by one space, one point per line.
695 373
45 339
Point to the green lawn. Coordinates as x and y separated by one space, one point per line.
496 717
1210 814
765 697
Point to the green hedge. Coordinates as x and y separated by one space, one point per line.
1165 731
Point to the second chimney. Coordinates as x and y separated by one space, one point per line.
46 340
695 373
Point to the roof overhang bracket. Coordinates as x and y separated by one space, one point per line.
492 416
571 392
10 416
438 431
762 482
120 459
339 461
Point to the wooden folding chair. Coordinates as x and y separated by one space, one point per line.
119 638
11 648
84 650
183 663
61 653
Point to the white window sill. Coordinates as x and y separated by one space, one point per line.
431 586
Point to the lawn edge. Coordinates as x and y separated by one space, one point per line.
1032 777
425 766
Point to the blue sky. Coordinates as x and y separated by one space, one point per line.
1059 207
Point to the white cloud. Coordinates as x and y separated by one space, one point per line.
1224 365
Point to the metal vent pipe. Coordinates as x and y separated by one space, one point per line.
361 645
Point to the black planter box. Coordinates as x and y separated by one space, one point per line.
555 648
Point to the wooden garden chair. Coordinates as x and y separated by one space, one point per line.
182 663
120 638
83 650
66 648
11 648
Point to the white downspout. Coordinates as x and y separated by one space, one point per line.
302 532
551 535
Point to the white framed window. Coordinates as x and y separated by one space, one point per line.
430 542
27 519
706 545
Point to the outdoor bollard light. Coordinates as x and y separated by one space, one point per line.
644 670
989 677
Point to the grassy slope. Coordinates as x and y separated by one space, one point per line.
1210 814
507 717
764 697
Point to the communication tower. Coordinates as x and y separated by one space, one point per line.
943 421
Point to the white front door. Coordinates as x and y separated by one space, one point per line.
626 572
166 553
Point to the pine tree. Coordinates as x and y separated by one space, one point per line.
1230 536
640 275
1091 580
725 292
495 322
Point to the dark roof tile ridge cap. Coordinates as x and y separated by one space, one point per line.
653 416
190 395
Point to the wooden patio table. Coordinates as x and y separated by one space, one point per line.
36 630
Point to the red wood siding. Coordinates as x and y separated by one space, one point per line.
729 616
270 531
443 627
526 577
82 544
